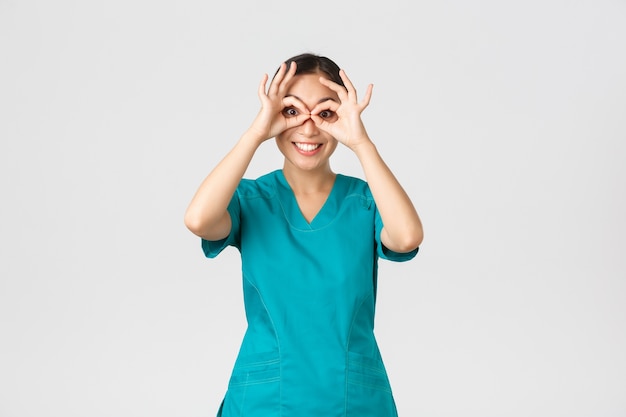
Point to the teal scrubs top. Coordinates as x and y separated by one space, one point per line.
309 294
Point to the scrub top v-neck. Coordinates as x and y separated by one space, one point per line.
309 294
293 213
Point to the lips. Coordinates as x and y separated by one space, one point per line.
307 147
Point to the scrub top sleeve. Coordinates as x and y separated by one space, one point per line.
212 248
386 253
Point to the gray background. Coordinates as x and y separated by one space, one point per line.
503 120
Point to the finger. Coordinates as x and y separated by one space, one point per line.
280 74
349 86
302 115
326 105
319 121
337 88
287 79
347 82
291 101
296 121
324 125
262 84
368 95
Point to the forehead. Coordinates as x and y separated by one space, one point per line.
308 89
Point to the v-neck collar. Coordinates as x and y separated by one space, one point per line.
292 211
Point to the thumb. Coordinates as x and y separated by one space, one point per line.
297 120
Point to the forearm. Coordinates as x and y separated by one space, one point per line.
207 215
402 231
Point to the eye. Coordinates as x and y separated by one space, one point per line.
327 114
290 112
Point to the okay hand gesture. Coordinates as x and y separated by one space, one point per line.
347 126
271 119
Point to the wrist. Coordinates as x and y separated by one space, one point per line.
253 137
362 146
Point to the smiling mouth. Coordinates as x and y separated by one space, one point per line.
307 147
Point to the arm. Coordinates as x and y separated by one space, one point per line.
402 231
207 215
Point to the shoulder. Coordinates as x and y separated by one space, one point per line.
355 186
356 191
261 187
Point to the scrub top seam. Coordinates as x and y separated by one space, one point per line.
329 224
258 195
354 317
280 356
356 313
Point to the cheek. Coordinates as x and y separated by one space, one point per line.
332 145
285 135
282 142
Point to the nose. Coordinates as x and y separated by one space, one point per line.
308 128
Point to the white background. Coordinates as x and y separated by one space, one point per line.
505 122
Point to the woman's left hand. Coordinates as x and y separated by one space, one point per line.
344 121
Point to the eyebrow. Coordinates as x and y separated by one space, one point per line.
318 102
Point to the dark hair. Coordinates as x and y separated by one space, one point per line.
308 63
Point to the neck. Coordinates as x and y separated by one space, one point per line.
309 181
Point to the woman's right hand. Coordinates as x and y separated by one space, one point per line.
272 119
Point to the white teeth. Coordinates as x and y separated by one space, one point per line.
308 147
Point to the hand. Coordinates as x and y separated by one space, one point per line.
344 120
272 119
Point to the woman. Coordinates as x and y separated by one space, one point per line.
309 241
